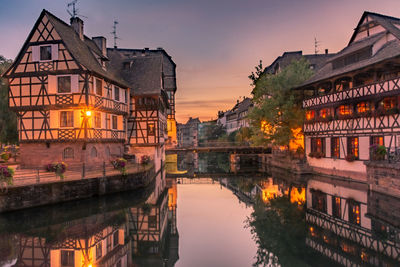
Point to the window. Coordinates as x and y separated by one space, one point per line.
93 152
116 238
389 103
354 212
116 93
66 119
99 87
108 240
352 146
114 122
318 145
152 221
68 153
325 113
310 114
67 258
345 110
108 121
151 129
336 207
45 52
376 140
99 250
363 107
335 147
319 201
97 120
64 84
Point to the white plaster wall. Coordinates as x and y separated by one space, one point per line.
338 164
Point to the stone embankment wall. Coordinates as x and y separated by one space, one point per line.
16 198
285 162
384 177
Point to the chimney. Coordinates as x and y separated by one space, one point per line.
101 43
326 51
77 24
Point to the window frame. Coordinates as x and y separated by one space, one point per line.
58 84
40 53
114 122
353 146
99 82
334 144
117 96
72 118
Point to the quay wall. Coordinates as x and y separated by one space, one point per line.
16 198
384 177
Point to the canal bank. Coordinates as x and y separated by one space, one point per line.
33 195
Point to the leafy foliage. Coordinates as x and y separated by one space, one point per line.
277 110
8 119
254 76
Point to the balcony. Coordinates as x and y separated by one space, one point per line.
40 102
382 87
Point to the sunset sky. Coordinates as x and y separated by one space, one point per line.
215 43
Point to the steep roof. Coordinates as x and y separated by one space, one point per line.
381 48
144 74
82 51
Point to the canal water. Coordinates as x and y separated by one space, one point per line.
202 210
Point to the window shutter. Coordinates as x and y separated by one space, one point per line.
54 51
74 84
52 84
35 53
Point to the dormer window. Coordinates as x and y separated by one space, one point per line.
45 52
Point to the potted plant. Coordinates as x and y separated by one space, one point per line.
6 175
145 159
377 152
5 156
350 157
319 154
120 164
58 168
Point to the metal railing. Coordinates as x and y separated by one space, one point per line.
26 177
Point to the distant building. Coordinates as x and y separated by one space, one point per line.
204 130
236 118
188 133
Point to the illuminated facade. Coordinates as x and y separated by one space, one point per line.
352 103
69 106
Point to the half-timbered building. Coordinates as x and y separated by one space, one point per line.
151 77
70 106
352 102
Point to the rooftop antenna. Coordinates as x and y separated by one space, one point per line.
74 12
114 32
316 43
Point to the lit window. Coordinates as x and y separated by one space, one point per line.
345 110
352 146
66 119
319 201
363 107
310 114
151 129
318 145
64 84
335 147
325 113
336 207
376 140
99 87
354 212
389 103
45 52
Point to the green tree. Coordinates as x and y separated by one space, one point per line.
277 105
254 76
8 119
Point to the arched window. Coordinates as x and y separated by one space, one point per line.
93 152
68 153
108 151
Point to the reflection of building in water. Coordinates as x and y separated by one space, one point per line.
97 240
151 232
340 227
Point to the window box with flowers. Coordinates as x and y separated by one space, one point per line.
58 168
350 157
120 164
145 159
316 155
6 175
377 152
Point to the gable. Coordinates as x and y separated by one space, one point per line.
44 31
367 27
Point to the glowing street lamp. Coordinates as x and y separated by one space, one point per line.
88 113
